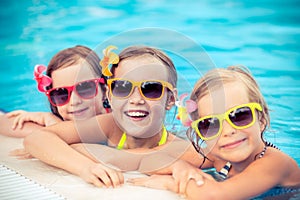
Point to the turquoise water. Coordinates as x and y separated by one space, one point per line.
265 36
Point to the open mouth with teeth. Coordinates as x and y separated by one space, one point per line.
137 114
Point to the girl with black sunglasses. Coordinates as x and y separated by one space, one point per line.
227 131
74 86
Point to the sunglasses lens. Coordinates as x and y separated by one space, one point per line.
209 127
152 90
241 117
59 96
121 88
87 89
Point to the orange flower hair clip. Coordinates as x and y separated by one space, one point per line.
108 59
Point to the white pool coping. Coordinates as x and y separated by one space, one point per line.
69 185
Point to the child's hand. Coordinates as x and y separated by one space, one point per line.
163 182
182 172
20 154
41 118
101 175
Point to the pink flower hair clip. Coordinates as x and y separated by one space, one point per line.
108 59
42 80
184 109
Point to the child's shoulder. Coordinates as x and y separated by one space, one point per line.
285 165
277 156
108 126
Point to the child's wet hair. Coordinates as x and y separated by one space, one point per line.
217 77
136 51
71 56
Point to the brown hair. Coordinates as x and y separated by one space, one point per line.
70 56
135 51
217 77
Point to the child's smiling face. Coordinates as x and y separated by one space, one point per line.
232 145
137 116
77 108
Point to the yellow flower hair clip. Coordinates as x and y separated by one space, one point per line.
108 59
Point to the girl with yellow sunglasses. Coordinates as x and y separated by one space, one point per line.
227 131
142 88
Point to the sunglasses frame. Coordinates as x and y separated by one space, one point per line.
72 88
138 84
225 116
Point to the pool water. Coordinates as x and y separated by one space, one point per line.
265 36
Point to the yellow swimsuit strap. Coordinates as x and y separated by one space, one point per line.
162 140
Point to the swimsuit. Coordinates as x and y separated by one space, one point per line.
278 191
224 171
162 140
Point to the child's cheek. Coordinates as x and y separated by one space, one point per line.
209 146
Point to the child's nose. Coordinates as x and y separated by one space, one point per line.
75 99
136 97
228 130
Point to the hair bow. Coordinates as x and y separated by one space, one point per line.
41 79
108 59
184 108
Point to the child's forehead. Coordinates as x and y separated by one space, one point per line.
220 99
72 74
142 67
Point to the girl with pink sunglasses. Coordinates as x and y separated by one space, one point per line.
74 86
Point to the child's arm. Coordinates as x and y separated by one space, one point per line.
122 159
6 127
176 181
177 149
275 168
158 160
41 118
20 126
50 145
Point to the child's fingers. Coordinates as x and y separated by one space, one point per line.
109 176
20 154
116 177
182 186
199 179
96 181
17 123
14 124
163 182
103 176
21 122
121 177
14 113
138 181
25 156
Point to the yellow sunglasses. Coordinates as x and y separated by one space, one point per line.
149 89
239 117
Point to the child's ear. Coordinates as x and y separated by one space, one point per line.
262 124
172 96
